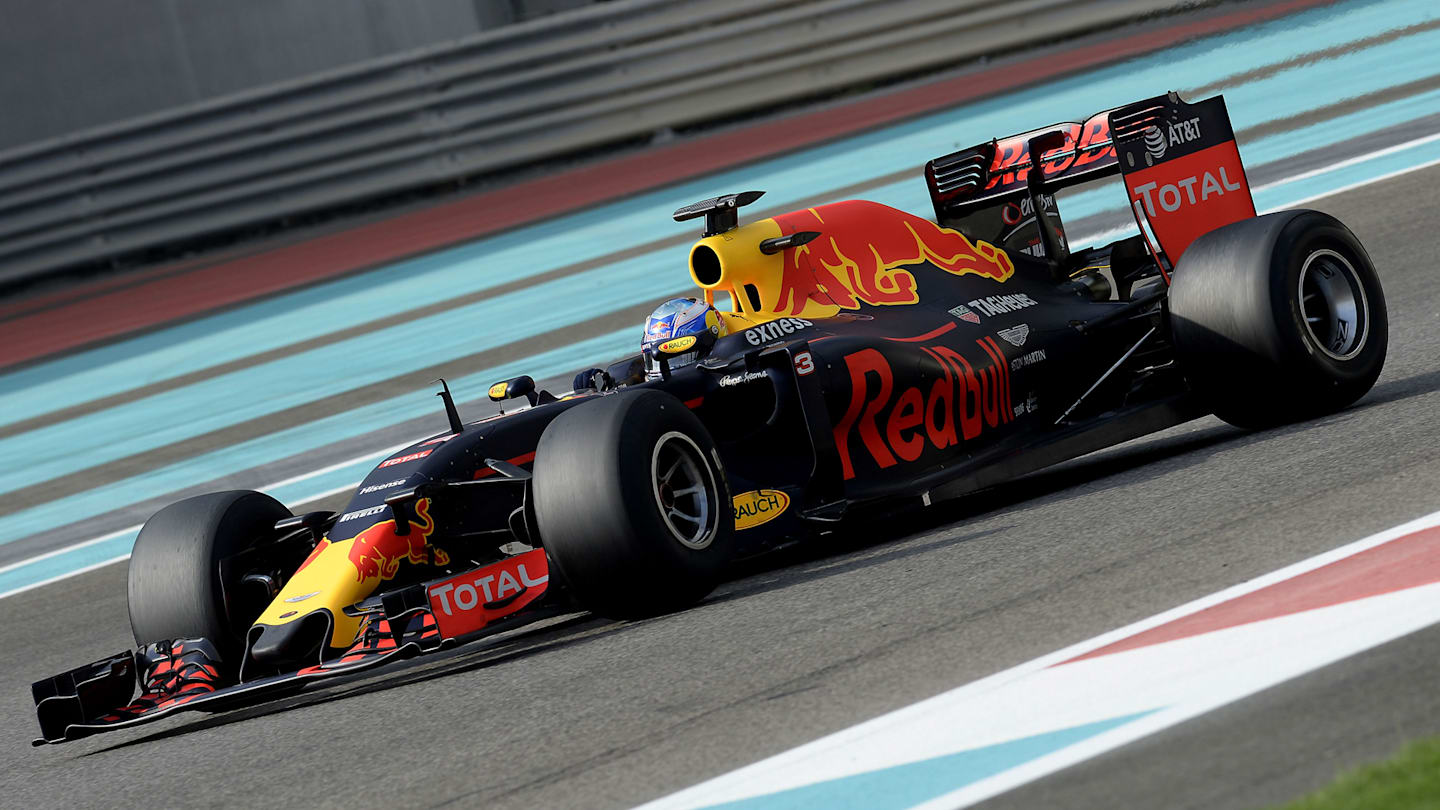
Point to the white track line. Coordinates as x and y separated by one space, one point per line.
1301 176
56 552
294 479
834 745
1388 176
1108 741
285 482
93 566
67 575
1348 162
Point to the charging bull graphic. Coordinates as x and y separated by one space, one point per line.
861 256
377 551
339 573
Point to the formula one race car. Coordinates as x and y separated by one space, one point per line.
847 356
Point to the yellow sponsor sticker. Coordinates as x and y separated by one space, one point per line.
759 506
497 391
678 345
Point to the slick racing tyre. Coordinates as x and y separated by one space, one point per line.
632 505
1278 318
177 589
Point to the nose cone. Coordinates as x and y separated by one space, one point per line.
292 645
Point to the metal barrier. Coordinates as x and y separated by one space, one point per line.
506 98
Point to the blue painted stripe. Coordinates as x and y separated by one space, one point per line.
67 562
347 477
910 784
1349 175
545 246
135 427
299 439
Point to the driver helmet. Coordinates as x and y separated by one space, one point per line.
675 319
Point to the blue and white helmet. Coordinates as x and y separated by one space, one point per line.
682 330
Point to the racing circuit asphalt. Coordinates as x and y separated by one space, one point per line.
590 713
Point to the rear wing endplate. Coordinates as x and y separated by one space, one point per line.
1181 168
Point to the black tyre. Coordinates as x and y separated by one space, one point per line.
176 589
632 505
1279 318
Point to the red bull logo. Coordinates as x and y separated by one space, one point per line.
1087 146
862 254
377 551
963 401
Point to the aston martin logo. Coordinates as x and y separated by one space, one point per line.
1015 335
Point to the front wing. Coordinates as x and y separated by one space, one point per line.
101 696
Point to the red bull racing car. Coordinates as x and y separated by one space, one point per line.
845 356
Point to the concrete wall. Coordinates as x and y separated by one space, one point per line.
68 65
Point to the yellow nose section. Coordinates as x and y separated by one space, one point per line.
327 580
338 574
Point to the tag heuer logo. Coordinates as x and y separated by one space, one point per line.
964 313
1015 335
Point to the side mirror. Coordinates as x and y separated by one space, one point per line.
776 244
630 371
522 386
593 379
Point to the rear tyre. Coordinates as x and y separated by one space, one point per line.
176 588
632 504
1278 318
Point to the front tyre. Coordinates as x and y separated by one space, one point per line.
1278 318
632 504
177 589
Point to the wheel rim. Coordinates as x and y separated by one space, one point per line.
1333 305
684 490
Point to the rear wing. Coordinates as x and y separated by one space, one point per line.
974 178
1179 162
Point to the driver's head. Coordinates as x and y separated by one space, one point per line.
675 319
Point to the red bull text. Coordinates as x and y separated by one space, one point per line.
964 401
1087 146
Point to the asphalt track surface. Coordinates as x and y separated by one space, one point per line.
589 713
